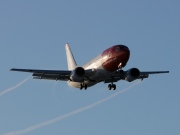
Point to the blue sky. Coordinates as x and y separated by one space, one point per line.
33 35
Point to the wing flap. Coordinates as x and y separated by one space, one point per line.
116 76
47 74
51 78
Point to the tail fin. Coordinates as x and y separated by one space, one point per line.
70 58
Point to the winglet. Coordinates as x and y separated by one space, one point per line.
70 58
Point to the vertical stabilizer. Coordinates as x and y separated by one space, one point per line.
70 58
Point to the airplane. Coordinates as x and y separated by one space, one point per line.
106 67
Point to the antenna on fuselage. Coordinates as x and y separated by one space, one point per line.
70 58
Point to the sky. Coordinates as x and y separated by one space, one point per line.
33 35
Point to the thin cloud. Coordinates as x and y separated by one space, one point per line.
14 87
69 114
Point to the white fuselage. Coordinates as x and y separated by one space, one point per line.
99 76
109 61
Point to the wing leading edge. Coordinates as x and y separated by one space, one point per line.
62 75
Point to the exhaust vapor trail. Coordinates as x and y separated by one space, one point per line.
14 87
19 132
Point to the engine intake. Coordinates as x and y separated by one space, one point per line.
132 74
79 71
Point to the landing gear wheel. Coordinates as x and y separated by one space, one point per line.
81 86
114 87
85 86
109 86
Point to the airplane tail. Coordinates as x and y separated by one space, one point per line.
70 58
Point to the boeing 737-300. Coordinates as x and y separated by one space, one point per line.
106 67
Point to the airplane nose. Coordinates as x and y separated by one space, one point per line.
115 57
123 57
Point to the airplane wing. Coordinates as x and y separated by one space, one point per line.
116 76
62 75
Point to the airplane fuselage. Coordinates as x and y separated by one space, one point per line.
105 64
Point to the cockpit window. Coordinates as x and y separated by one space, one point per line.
122 47
117 48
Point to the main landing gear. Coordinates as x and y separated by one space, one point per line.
112 86
83 86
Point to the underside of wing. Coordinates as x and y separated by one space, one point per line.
131 75
47 74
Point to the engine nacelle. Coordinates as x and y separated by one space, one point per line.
132 74
77 75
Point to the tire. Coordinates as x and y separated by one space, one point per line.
85 86
114 86
81 86
109 86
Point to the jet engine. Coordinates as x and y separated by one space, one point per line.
77 75
132 74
